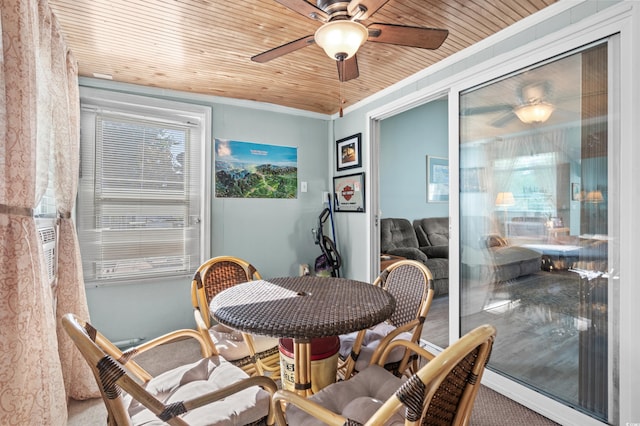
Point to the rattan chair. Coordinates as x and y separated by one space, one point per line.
411 284
208 391
441 393
253 353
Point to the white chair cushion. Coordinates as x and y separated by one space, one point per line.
206 375
231 346
357 398
370 343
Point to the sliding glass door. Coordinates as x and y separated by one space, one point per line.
538 252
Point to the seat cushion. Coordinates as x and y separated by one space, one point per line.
439 267
370 343
195 379
396 233
231 346
436 251
357 398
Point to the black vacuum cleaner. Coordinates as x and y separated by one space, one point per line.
330 259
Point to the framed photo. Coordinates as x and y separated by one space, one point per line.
575 192
437 179
348 193
473 180
348 152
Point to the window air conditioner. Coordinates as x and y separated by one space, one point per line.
47 234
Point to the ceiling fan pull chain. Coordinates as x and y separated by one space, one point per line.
341 99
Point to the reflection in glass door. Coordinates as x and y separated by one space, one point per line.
536 248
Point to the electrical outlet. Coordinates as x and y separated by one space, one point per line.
325 196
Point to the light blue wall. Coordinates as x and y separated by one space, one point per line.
405 141
274 235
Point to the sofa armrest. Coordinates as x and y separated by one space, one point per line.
495 240
436 251
409 253
420 234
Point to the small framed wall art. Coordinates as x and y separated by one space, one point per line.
473 179
437 179
348 152
575 192
348 193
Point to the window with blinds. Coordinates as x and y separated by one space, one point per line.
139 209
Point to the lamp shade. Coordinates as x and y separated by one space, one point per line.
341 39
505 199
538 112
594 197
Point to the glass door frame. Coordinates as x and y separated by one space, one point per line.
559 46
612 45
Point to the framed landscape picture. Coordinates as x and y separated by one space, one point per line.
348 193
348 152
253 170
437 179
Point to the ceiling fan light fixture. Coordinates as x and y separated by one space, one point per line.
341 39
538 112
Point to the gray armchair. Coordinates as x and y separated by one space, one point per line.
433 236
398 238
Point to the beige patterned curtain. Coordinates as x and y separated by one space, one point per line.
71 296
31 384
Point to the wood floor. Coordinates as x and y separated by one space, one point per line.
436 326
539 341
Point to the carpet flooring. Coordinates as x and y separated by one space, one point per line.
491 408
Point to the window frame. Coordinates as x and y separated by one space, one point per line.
98 101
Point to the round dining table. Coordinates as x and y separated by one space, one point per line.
302 308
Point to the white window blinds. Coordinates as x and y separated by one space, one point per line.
139 198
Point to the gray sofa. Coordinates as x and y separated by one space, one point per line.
487 259
433 236
497 261
398 237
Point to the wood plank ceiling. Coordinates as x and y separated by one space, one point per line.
205 46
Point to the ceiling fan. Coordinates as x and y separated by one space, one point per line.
342 34
532 107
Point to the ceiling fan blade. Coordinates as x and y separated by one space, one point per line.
368 7
402 35
305 8
276 52
504 120
487 109
348 69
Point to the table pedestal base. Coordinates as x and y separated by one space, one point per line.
308 374
302 369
